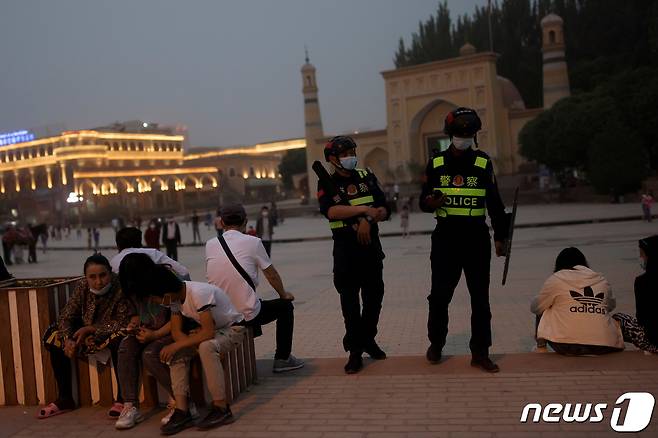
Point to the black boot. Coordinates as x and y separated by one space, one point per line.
374 351
354 363
484 363
433 354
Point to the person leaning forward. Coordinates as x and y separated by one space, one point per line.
459 187
357 250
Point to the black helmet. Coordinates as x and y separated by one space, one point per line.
462 122
338 145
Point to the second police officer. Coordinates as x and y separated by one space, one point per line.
459 188
357 250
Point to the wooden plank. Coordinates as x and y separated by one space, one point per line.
27 353
46 306
235 385
105 383
151 398
6 350
242 374
252 354
61 298
228 388
84 385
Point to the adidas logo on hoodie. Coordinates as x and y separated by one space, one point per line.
589 303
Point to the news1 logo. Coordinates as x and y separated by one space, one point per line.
637 413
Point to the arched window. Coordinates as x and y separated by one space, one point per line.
140 146
551 36
309 81
252 172
231 171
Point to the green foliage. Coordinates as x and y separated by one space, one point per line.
617 162
609 133
293 162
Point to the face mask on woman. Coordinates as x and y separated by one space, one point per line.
643 263
102 291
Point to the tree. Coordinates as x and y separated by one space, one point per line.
293 162
589 132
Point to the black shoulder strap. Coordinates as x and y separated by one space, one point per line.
235 263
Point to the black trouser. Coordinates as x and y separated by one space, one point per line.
6 249
455 249
195 233
172 248
62 369
359 269
280 311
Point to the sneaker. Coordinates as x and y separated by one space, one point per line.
171 408
282 365
179 421
216 417
128 418
485 364
115 410
375 352
433 354
354 363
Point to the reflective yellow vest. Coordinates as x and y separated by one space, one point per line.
465 194
361 199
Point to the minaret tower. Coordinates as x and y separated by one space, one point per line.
555 75
313 123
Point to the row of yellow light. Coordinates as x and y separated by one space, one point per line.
259 175
95 134
142 187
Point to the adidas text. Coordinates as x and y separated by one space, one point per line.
587 309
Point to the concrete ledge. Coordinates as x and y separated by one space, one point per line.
510 364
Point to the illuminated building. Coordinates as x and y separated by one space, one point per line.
132 168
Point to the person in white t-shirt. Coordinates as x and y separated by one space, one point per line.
208 306
252 257
129 240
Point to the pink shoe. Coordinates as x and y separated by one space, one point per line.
115 410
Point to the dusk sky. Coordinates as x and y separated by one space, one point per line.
227 70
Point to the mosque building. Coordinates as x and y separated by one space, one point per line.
419 97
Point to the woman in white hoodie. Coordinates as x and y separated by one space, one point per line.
575 304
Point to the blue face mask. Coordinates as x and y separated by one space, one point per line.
462 143
348 163
643 264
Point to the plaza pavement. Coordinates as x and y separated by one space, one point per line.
403 395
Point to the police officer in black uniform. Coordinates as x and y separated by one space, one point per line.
357 250
459 187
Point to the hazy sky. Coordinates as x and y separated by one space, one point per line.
229 70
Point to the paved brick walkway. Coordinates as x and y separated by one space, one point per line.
400 397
